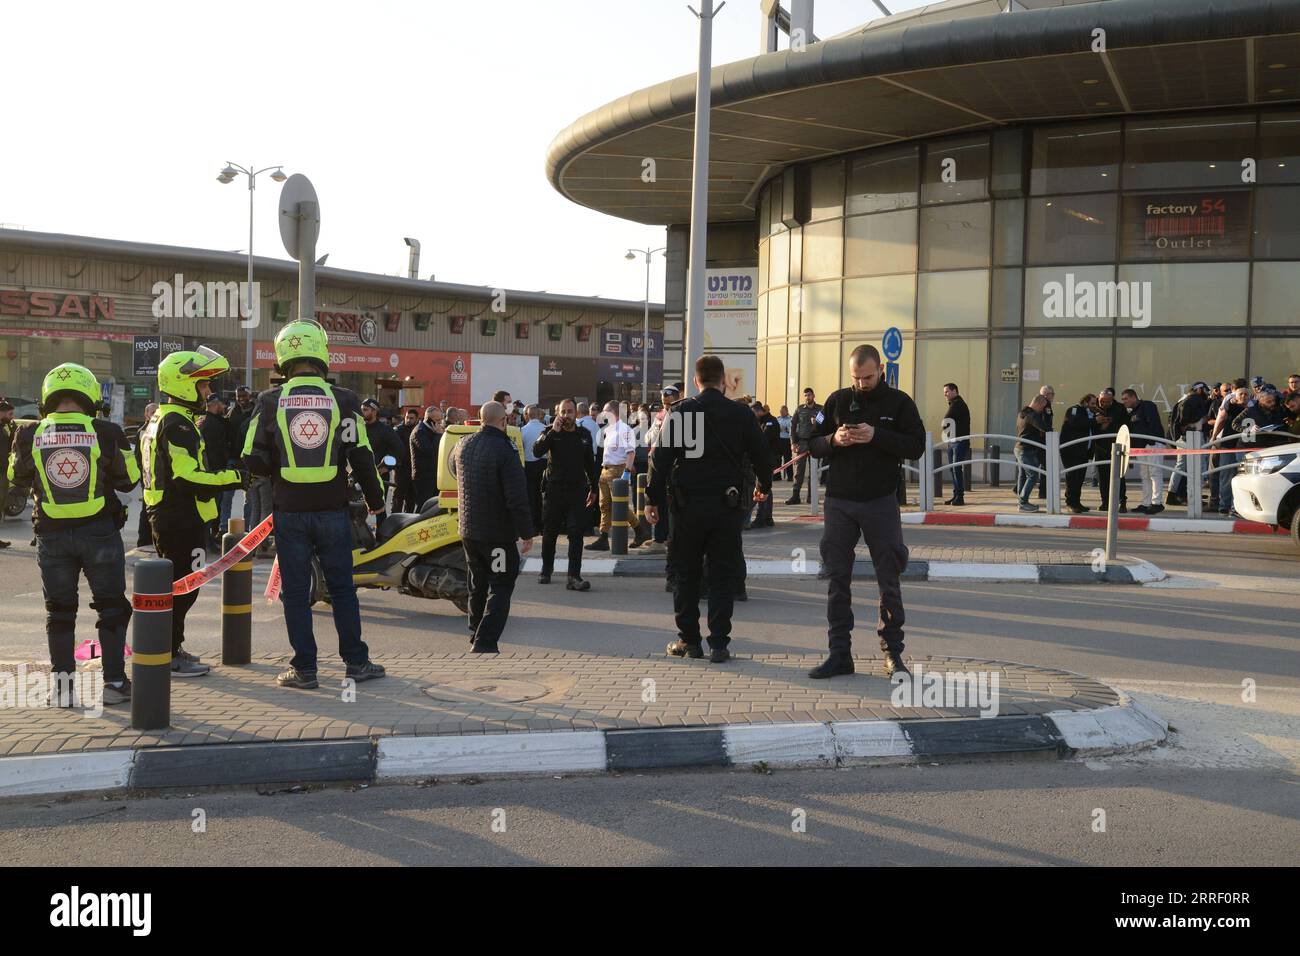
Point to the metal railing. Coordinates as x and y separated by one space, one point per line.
1191 467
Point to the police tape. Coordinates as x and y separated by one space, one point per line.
192 582
1198 451
273 583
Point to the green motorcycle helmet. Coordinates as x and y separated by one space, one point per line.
70 380
299 341
179 375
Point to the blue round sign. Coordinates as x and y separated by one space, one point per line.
892 344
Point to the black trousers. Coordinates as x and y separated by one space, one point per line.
564 506
143 533
705 528
402 494
186 549
878 523
493 567
423 490
533 471
1074 480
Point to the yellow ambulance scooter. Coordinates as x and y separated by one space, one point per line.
418 554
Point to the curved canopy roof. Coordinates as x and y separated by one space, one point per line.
916 76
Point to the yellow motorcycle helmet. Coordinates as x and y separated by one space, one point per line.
179 374
301 340
70 380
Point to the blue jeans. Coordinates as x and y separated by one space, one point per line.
958 452
327 536
1028 457
94 550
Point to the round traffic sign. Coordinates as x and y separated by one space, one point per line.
1126 443
892 344
297 188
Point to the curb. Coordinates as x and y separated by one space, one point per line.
1121 728
1086 522
1125 571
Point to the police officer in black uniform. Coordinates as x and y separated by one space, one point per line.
707 502
569 484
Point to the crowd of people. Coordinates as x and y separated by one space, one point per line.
298 449
1231 416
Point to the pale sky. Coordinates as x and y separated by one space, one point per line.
426 119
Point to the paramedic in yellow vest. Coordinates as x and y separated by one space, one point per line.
74 463
305 435
179 493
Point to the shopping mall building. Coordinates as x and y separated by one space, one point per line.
1079 194
117 306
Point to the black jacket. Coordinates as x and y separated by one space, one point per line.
1145 420
263 458
424 454
771 430
403 433
383 441
238 419
493 491
959 412
1116 415
866 472
218 442
718 450
1262 417
1191 408
569 458
1078 424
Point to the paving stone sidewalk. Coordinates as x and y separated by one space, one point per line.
443 694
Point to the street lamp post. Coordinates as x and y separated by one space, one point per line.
226 177
645 335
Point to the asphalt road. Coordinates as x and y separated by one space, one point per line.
1222 792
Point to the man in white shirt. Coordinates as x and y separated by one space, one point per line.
617 459
534 467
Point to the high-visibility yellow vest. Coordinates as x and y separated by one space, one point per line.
307 431
66 451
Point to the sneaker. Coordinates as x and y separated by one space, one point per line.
1155 509
1027 507
1142 510
600 544
680 648
185 668
367 671
544 577
482 647
719 655
4 543
1078 509
654 547
186 655
118 693
578 584
298 680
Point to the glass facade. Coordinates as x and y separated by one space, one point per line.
1144 252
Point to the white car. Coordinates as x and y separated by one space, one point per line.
1266 488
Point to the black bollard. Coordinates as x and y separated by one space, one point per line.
995 478
937 465
236 602
151 645
618 516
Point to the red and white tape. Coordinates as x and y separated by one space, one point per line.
246 545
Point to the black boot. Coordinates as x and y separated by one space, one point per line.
578 584
833 666
894 664
680 648
600 544
544 577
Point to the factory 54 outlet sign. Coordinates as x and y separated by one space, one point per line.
1187 225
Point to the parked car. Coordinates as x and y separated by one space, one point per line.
1266 488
